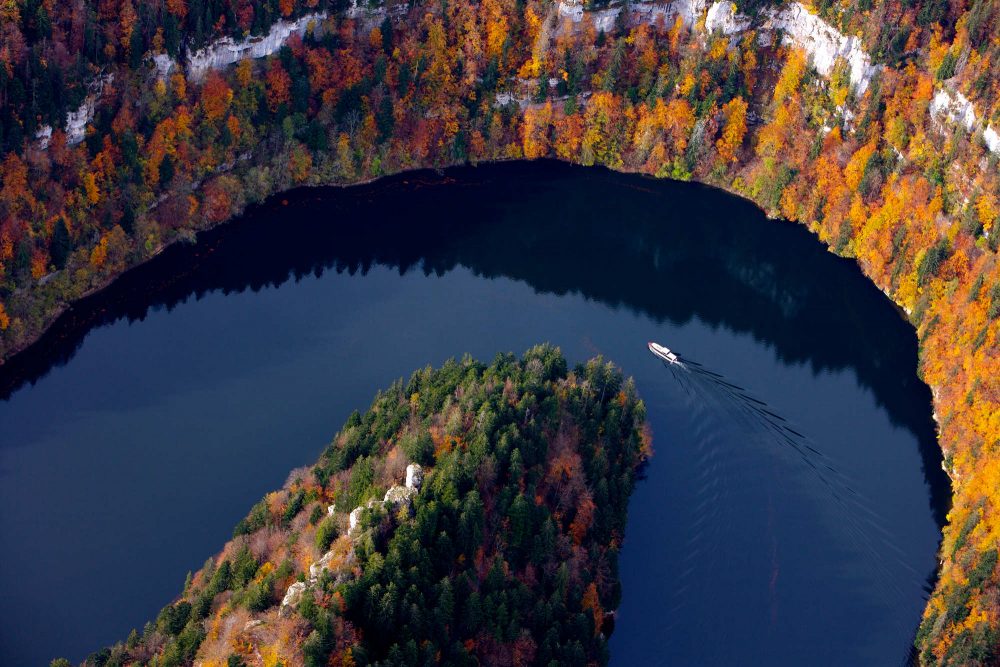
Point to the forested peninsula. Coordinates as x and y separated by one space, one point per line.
472 516
126 125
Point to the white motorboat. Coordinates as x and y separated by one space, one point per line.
663 353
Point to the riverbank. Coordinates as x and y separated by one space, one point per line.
512 576
861 156
236 352
29 364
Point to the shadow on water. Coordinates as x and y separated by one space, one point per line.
767 549
717 267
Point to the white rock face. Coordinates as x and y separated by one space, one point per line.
604 19
292 598
164 65
219 54
353 519
76 122
322 564
955 108
824 44
414 476
43 136
689 11
723 17
370 16
571 10
331 509
958 109
992 139
503 99
399 495
226 51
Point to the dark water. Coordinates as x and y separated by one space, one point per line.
163 408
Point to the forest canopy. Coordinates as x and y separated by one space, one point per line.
111 149
502 550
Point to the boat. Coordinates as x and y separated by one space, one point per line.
663 353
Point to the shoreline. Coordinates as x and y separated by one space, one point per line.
36 349
193 238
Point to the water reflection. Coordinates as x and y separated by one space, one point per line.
723 265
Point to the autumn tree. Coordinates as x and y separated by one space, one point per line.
535 130
216 96
278 85
734 128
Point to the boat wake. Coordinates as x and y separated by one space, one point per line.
864 529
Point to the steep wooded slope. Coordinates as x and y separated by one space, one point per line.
881 138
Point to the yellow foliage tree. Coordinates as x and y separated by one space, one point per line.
791 76
535 131
734 129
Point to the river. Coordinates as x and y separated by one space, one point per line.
791 513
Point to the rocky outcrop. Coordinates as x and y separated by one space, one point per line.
353 519
403 495
227 51
399 495
798 26
992 139
824 44
689 11
957 109
43 136
163 64
322 564
954 107
414 476
395 497
723 17
292 598
76 121
573 11
220 53
370 15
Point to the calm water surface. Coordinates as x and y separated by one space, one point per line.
154 415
